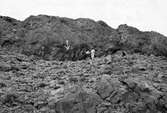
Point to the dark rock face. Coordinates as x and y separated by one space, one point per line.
44 36
135 41
76 53
78 102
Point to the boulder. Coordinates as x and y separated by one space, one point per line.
76 101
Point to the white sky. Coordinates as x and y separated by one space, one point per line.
143 14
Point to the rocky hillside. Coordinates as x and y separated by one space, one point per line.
39 75
113 84
44 36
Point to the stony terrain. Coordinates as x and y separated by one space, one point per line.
38 75
114 84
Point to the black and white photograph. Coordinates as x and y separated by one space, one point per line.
83 56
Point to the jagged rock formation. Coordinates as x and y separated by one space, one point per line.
142 42
44 36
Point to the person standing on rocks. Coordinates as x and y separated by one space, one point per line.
92 54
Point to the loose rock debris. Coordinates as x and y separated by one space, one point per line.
131 84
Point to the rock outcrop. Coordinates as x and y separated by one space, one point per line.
44 36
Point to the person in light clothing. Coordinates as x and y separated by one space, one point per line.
92 54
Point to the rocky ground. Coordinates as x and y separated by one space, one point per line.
113 84
39 75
